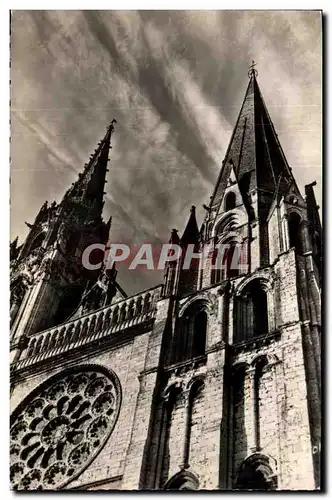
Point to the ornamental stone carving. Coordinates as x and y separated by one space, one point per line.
61 427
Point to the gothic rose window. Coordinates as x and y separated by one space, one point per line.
61 427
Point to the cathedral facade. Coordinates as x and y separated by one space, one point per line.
209 381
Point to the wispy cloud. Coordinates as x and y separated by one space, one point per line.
175 83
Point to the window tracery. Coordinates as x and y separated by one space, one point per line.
61 428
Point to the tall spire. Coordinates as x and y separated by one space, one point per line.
191 232
89 188
254 151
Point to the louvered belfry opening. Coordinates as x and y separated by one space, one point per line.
251 313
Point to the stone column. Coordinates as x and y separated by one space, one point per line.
285 232
187 423
250 409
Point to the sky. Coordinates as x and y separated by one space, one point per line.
175 82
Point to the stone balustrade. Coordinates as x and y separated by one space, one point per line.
119 316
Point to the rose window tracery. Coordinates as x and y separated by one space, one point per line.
61 427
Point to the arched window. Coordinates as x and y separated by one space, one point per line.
250 313
184 480
230 201
294 228
190 336
228 223
226 265
256 473
231 261
199 337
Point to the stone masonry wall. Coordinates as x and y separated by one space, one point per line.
127 361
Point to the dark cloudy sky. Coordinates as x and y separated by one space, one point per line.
175 81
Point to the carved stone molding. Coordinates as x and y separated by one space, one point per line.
61 426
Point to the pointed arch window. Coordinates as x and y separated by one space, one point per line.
199 334
294 228
230 261
250 313
226 265
190 336
230 201
184 480
256 473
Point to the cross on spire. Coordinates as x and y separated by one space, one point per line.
252 70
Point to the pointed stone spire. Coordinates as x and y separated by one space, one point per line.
174 239
191 232
89 188
254 151
171 266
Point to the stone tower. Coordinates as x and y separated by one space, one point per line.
208 381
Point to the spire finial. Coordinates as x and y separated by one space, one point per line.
252 71
111 125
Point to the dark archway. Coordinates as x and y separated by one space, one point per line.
294 228
199 340
256 473
230 201
183 480
225 262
